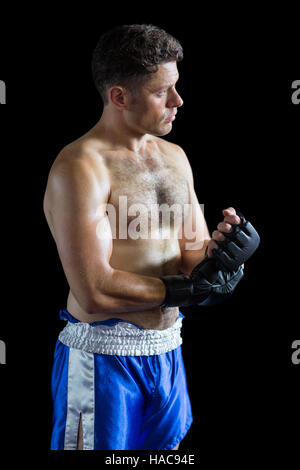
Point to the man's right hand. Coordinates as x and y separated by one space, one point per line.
216 277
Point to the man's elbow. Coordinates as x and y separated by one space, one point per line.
98 303
94 300
97 298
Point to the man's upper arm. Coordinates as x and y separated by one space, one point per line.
195 234
78 195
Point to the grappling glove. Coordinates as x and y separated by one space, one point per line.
214 279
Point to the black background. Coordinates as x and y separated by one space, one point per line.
240 130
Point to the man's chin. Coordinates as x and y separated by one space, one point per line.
163 130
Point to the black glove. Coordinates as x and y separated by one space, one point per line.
214 279
239 246
207 285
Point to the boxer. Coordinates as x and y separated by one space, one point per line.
118 378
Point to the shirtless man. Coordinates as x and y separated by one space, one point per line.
118 377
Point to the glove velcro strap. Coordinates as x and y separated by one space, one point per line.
207 269
179 290
239 246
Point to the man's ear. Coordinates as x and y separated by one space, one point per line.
118 96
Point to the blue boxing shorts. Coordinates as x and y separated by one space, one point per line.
125 384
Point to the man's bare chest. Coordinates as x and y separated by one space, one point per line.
149 183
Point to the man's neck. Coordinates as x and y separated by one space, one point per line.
112 128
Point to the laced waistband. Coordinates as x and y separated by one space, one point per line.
122 339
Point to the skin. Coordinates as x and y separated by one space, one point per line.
226 226
124 154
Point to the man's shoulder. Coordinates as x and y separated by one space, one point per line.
74 159
168 146
174 150
78 169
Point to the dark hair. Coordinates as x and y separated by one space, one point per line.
127 56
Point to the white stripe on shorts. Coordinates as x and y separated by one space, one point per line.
81 399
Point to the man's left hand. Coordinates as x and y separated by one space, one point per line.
230 219
234 242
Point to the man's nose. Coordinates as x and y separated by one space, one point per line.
176 101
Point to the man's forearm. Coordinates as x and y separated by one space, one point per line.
191 259
122 291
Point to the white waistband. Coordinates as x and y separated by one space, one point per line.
122 339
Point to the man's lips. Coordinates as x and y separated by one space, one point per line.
171 118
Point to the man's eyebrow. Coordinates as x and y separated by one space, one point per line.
167 85
171 84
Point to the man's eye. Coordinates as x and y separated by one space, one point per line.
161 93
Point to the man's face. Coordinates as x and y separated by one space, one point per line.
153 110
